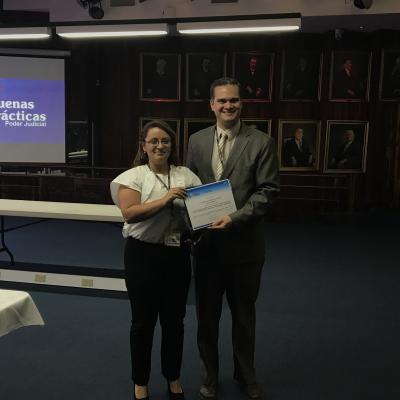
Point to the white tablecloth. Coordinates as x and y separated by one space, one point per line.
17 309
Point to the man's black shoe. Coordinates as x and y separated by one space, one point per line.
252 391
208 392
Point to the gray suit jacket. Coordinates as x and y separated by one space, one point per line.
252 169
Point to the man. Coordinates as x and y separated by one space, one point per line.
296 151
347 85
202 79
347 156
303 83
254 85
229 256
161 84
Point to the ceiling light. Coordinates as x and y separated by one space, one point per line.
103 31
240 26
24 33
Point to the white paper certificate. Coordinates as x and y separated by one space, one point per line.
207 203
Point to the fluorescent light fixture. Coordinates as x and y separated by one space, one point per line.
103 31
239 26
39 32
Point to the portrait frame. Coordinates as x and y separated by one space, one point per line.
241 66
292 73
263 125
157 87
341 85
193 125
335 131
173 123
288 149
389 82
194 68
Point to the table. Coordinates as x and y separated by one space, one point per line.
57 210
17 309
52 209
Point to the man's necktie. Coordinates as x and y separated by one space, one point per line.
221 155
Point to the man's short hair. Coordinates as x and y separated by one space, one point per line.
223 82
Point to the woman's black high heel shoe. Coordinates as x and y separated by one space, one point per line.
174 396
143 398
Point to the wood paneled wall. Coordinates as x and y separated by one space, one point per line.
103 88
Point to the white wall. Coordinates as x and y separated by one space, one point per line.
69 10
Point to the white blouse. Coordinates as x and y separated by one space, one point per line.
143 180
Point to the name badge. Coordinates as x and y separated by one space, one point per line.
172 239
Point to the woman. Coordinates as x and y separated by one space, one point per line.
157 263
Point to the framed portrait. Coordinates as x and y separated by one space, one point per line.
389 87
254 72
173 123
349 76
79 142
298 145
159 77
346 146
192 125
202 69
301 76
263 125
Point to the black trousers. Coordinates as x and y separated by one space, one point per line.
241 284
157 280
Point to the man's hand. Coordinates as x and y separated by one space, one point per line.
223 223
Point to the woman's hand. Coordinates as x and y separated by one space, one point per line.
135 211
174 193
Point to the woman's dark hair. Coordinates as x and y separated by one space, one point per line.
142 158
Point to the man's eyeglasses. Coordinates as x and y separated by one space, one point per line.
156 142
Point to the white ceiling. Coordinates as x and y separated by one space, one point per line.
318 15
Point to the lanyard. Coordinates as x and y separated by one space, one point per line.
167 187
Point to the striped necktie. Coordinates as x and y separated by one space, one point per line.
221 155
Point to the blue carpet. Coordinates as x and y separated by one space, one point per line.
328 324
65 242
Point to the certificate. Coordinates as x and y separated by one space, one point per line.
207 203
